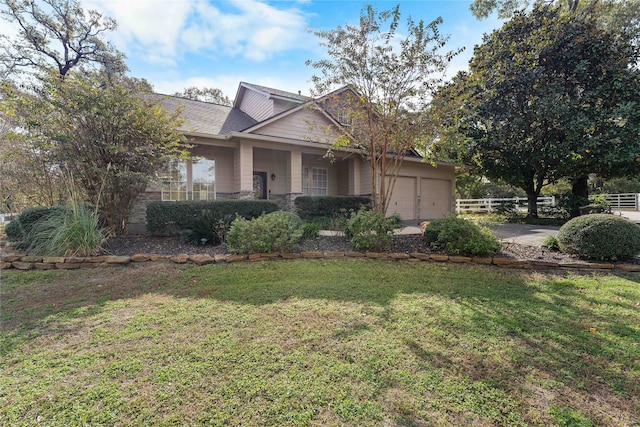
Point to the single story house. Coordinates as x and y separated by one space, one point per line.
271 144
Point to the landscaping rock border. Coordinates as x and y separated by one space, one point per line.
17 261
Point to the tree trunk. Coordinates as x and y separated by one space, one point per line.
580 187
532 202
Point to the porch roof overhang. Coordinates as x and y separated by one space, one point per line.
230 140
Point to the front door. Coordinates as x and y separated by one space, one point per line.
259 185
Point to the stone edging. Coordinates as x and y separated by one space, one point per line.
21 262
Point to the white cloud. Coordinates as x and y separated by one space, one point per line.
163 32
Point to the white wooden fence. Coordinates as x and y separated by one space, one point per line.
623 201
490 204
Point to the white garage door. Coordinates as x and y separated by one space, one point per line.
403 198
435 198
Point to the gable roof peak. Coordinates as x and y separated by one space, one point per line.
276 93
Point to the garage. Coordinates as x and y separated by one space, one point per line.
435 198
403 198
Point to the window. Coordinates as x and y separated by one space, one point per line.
344 118
189 180
314 181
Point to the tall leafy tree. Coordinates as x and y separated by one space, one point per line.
105 133
58 34
389 76
205 94
547 97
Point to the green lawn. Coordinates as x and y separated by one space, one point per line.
319 342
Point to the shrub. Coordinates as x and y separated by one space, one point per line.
458 236
309 207
165 218
72 231
571 204
552 243
310 230
210 228
369 230
21 226
273 232
601 236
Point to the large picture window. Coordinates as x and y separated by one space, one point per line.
189 180
314 181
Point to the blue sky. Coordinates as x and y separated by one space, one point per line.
180 43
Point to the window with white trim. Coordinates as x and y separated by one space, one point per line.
189 180
314 181
344 118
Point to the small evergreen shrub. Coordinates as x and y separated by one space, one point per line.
458 236
166 218
601 236
210 228
311 230
571 204
309 207
21 226
273 232
369 230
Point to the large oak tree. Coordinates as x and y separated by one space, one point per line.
547 96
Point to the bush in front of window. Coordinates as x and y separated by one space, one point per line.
273 232
371 231
169 218
310 207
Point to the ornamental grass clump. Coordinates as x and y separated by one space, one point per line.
458 236
72 231
600 236
273 232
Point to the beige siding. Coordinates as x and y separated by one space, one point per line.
305 125
280 105
256 105
273 162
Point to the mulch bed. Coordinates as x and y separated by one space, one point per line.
130 245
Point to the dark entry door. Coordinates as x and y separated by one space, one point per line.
259 185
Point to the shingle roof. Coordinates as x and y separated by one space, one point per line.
206 118
277 92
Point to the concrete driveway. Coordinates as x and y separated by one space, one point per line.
524 234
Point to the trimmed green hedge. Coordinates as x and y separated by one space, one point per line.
165 218
601 236
309 207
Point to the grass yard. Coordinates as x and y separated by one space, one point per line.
319 342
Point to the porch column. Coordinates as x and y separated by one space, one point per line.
295 178
355 175
243 166
295 171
